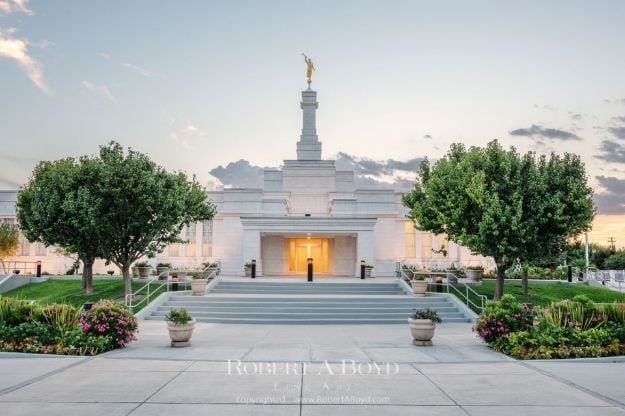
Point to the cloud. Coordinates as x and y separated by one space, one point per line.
427 136
239 174
575 116
182 136
104 55
613 152
142 71
15 6
548 133
618 119
366 166
368 173
612 200
17 49
101 90
618 132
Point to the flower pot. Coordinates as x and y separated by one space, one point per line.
368 271
452 276
162 272
198 287
210 272
144 272
474 275
248 271
135 272
180 334
422 331
419 287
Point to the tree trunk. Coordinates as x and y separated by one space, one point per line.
87 276
501 273
552 271
524 280
127 280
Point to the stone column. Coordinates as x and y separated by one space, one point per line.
309 147
251 250
364 250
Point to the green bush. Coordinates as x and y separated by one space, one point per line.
501 318
178 316
567 329
107 318
616 261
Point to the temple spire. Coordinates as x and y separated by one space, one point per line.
309 146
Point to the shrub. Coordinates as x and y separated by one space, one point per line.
580 312
178 316
16 311
107 318
500 318
161 265
61 317
142 264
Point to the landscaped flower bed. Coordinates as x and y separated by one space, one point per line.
63 329
568 329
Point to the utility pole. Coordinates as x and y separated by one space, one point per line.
612 242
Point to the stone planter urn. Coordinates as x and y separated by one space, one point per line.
180 334
135 272
248 271
198 287
422 331
368 272
162 272
211 272
144 272
419 287
474 275
452 276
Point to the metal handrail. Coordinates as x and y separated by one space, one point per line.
130 296
463 296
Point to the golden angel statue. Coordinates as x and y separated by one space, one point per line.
309 68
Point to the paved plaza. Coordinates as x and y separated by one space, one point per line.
307 370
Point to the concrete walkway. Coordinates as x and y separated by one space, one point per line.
282 372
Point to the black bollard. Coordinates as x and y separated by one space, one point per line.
253 269
174 283
362 270
38 268
439 284
310 269
569 273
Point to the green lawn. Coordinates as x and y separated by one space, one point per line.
545 293
69 291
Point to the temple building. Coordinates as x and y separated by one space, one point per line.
306 209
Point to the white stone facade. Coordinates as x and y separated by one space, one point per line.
308 200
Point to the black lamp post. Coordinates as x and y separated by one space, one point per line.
253 269
310 269
174 283
38 268
362 269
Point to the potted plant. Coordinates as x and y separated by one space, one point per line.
210 269
419 284
198 284
135 271
368 268
180 325
162 270
248 269
422 325
144 269
475 273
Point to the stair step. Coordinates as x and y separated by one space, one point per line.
313 321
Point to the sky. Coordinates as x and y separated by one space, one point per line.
213 87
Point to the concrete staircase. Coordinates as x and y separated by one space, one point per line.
245 302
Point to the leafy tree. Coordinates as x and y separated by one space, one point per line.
144 208
501 204
616 261
60 206
9 242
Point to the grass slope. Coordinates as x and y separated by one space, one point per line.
545 293
69 291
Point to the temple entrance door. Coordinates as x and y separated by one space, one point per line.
300 249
